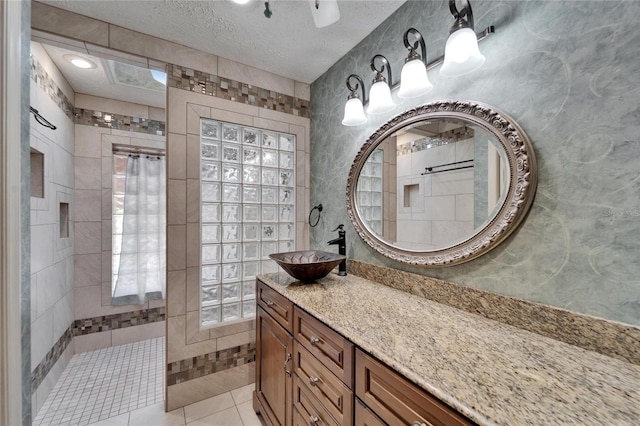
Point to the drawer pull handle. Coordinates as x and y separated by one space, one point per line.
314 341
269 303
313 420
313 381
419 423
286 361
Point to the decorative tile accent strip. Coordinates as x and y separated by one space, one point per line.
617 340
92 325
46 83
89 117
214 362
42 369
231 90
116 321
119 122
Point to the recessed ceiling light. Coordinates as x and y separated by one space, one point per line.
80 62
241 1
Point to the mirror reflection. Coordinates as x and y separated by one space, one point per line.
432 184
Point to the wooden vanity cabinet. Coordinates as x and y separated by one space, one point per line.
274 356
308 374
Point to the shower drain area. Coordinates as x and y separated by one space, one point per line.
104 383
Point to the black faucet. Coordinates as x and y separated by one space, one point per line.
341 241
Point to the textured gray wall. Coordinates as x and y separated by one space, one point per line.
569 74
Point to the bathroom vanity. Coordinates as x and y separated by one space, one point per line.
346 350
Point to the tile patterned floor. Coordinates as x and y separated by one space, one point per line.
124 385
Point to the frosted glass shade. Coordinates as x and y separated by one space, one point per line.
354 113
380 98
326 14
461 54
414 80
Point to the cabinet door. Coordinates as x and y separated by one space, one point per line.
364 416
274 351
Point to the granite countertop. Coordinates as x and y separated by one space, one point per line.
491 372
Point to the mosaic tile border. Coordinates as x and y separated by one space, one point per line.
88 326
617 340
117 321
40 372
90 117
184 78
214 362
46 83
118 122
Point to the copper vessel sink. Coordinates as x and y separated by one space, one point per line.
309 265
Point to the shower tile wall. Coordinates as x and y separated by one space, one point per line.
51 255
67 271
93 180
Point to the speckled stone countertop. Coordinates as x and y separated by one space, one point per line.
491 372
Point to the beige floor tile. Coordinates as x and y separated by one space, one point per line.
121 420
228 417
208 407
156 416
248 416
243 394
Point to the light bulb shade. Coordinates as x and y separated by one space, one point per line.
380 98
461 54
354 113
414 80
326 13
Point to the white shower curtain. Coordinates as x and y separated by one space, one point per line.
141 272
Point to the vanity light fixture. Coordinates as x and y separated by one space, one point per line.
461 53
380 94
353 109
414 81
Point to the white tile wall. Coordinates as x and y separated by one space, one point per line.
441 211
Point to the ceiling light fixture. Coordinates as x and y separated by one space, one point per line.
80 61
324 12
325 15
462 56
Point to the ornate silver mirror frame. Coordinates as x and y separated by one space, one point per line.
519 196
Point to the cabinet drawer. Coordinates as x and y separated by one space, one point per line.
333 350
308 406
397 401
279 307
334 395
364 416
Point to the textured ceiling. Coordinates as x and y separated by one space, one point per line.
287 44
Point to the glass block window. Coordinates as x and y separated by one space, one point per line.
247 182
369 191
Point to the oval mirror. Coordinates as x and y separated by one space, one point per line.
442 183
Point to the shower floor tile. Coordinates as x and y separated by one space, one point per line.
106 383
